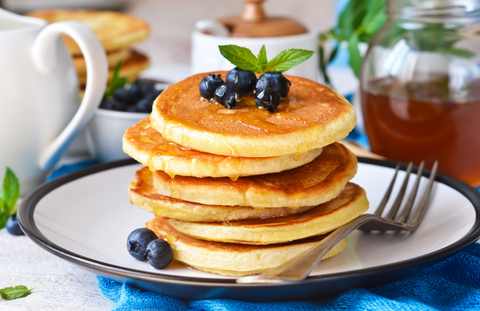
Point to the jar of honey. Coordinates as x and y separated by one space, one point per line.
420 86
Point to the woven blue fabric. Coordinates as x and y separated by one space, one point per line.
453 284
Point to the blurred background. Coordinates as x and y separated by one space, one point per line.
172 23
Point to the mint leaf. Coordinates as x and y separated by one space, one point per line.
8 196
10 191
240 57
116 82
288 59
262 58
355 56
10 293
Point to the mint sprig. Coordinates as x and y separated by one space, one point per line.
8 196
116 82
244 59
11 293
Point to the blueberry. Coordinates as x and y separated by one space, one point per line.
268 99
246 79
12 226
274 80
145 87
127 95
228 95
111 104
138 240
143 105
209 84
159 254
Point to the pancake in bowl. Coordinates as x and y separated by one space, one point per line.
233 259
308 185
113 58
115 30
312 116
143 194
150 148
324 218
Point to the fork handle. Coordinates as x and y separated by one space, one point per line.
300 266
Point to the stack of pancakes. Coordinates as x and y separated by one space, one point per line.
116 31
239 191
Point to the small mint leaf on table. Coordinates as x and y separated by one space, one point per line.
11 293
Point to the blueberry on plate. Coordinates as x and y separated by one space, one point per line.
246 79
274 80
268 99
138 240
159 254
228 95
12 225
209 84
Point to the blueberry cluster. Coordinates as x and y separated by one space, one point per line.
269 89
143 244
134 97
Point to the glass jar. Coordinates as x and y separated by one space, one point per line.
420 86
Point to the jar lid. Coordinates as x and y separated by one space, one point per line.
254 23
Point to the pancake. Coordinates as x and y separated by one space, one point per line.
232 259
143 194
312 116
308 185
113 58
131 68
148 147
115 30
324 218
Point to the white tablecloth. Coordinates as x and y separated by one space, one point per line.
60 284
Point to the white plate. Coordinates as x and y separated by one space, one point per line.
85 217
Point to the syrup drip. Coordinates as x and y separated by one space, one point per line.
170 238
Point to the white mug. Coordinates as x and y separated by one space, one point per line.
206 55
39 110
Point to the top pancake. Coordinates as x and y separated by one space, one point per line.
311 116
115 30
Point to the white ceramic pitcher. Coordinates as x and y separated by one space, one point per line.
39 110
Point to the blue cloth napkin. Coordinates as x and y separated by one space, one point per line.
453 284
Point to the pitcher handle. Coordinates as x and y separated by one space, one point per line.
44 57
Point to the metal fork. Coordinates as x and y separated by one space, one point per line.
299 267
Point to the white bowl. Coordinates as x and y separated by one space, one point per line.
106 128
106 131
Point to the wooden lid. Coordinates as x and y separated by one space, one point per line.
254 23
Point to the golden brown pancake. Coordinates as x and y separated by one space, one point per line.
148 147
143 194
312 116
115 30
131 68
113 58
308 185
232 259
326 217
